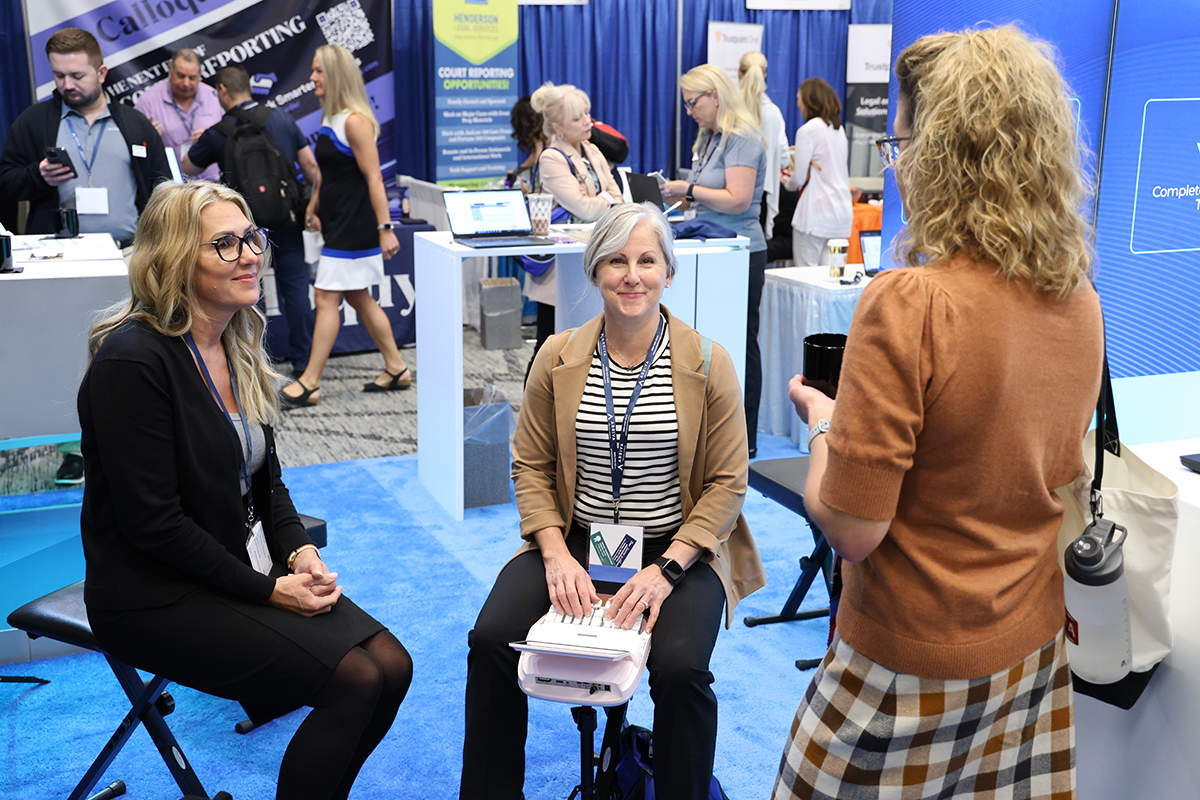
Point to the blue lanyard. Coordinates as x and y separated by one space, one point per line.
95 148
243 458
618 441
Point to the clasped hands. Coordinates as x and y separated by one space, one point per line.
311 590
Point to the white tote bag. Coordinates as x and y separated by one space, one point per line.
1146 503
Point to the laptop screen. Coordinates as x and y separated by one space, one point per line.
870 243
487 213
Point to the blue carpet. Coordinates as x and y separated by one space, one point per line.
425 576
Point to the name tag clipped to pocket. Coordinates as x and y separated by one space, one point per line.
256 546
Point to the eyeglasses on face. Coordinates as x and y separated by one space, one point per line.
889 149
691 104
229 246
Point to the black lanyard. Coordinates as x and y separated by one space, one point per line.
95 148
245 458
618 440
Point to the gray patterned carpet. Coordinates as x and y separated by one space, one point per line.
347 424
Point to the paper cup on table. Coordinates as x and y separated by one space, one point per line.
823 361
540 206
839 251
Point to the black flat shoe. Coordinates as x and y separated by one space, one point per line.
303 400
392 385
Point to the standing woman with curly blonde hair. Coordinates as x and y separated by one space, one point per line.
968 382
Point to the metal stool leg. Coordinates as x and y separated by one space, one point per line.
585 720
810 565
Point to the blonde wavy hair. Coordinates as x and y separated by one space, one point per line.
994 170
557 104
161 272
344 88
752 82
732 116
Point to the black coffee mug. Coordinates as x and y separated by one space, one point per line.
823 361
68 223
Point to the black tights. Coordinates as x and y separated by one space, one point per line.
350 716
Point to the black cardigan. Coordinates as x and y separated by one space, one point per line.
37 128
162 507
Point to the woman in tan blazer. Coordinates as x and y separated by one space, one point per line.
683 482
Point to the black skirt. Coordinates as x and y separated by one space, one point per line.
224 646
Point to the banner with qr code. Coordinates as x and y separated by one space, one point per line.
475 88
273 39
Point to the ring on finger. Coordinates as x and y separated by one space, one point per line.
645 605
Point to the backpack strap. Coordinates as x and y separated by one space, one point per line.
706 345
257 117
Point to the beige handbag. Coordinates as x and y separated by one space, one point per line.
1146 503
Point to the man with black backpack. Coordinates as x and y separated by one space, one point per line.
257 149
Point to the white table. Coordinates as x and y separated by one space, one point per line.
708 292
1150 750
796 302
45 313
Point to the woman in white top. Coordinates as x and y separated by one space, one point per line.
752 81
572 169
824 210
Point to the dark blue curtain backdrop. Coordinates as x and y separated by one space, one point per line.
622 53
15 95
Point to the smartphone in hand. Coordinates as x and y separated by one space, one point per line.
58 155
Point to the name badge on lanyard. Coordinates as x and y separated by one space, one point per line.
612 546
256 538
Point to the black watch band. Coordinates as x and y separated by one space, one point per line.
688 196
671 569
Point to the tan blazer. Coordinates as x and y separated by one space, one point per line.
713 460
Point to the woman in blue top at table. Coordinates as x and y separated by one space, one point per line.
728 170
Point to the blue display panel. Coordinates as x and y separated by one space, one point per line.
1081 30
1148 223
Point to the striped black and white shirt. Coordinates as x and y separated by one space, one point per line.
650 495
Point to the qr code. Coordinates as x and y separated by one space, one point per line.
346 24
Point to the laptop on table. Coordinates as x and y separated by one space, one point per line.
870 243
492 218
644 189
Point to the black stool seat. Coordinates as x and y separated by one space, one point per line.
59 615
782 480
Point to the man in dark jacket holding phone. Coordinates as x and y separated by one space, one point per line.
115 156
77 150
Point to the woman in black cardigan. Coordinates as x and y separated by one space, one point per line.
197 565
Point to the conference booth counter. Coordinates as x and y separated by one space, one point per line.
708 292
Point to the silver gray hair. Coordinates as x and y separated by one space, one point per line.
613 229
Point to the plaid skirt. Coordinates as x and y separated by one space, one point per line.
866 732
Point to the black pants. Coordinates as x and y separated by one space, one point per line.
685 707
545 329
758 277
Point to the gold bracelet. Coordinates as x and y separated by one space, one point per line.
291 562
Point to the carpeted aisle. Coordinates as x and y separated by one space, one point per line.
400 557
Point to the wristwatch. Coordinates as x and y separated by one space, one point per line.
386 226
822 426
688 195
670 569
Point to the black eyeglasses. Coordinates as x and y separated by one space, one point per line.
889 149
229 246
691 104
